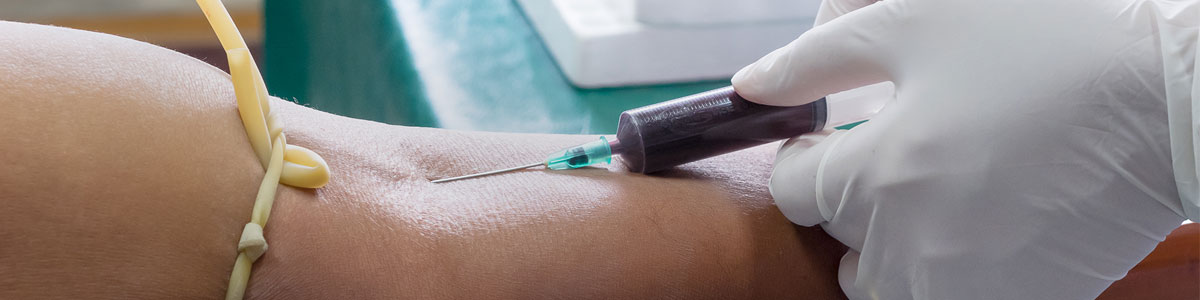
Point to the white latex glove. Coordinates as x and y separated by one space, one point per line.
1027 155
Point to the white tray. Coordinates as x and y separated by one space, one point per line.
600 43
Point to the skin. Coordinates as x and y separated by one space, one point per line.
126 174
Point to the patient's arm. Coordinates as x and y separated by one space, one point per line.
596 232
125 172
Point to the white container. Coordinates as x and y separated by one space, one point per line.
711 12
601 43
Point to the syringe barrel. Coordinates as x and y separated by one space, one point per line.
660 136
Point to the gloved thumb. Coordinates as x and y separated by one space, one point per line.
853 50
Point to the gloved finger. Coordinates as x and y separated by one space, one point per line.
850 51
831 9
795 177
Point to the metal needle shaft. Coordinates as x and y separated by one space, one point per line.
488 173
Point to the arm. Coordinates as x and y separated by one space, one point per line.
127 174
709 230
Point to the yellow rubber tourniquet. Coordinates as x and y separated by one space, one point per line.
287 164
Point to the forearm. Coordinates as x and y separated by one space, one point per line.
706 230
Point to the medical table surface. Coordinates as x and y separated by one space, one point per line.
461 64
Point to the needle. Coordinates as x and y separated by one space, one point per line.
489 173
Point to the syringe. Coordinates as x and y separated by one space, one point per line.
660 136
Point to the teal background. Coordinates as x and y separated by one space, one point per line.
462 64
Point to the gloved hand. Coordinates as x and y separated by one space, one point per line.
1027 154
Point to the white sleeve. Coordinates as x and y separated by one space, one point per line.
1177 24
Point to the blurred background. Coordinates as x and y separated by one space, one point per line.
549 66
177 25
